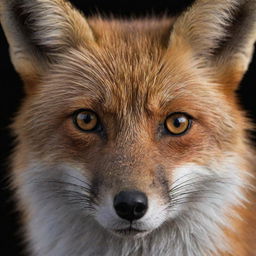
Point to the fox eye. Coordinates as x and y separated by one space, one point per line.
178 123
85 120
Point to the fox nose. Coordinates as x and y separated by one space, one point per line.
130 205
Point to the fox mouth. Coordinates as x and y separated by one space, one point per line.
129 232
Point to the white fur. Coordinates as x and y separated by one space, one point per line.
59 227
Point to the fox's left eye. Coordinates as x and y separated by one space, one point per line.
85 120
178 123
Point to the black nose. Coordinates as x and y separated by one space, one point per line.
130 205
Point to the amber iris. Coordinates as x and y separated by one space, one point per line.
177 123
85 120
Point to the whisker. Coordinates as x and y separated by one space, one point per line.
199 182
69 184
79 195
76 178
196 189
187 192
77 198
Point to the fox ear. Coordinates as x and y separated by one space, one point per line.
221 35
38 31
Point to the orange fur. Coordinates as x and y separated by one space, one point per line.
133 75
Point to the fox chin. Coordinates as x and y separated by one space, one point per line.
130 140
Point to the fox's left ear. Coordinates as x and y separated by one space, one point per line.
39 31
220 35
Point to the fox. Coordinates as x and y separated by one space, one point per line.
131 140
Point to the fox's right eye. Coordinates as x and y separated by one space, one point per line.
85 120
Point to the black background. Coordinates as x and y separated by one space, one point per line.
11 94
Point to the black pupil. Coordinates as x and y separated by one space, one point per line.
87 118
177 122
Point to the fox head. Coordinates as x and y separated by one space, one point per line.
130 126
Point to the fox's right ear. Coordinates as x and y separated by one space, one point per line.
38 31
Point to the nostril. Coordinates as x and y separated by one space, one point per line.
130 205
122 208
139 208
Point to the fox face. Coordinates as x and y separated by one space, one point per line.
130 138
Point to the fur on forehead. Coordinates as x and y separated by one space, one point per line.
128 69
